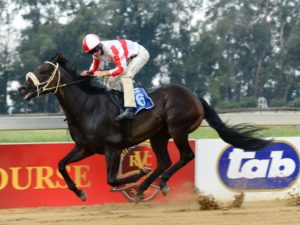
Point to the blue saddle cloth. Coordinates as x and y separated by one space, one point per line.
142 100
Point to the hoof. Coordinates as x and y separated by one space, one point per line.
145 170
165 189
82 195
139 198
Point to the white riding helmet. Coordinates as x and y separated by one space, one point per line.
90 41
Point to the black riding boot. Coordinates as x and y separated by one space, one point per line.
127 114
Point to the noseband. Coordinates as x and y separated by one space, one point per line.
44 86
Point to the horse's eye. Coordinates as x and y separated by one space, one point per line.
43 72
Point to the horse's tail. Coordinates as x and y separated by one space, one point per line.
240 136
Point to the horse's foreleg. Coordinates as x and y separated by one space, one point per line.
113 162
186 155
159 145
75 155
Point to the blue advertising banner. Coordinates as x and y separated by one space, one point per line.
273 167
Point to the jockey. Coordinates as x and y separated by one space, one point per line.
128 56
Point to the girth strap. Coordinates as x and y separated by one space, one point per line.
116 97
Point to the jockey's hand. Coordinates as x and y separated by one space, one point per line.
101 73
86 73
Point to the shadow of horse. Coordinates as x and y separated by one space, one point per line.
91 120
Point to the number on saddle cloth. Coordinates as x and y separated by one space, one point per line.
142 100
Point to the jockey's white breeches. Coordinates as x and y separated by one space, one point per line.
124 82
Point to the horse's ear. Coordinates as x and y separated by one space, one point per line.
59 58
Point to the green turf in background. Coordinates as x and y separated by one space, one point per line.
63 135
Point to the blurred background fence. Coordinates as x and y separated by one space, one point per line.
274 117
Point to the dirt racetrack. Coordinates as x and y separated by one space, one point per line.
169 213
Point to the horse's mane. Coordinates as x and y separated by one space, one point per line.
64 63
88 85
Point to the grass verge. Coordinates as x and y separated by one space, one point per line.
63 135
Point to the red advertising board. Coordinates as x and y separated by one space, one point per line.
29 176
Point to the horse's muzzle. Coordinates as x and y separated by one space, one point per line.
27 92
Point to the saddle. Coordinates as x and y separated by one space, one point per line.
142 100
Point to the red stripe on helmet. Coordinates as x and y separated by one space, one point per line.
85 46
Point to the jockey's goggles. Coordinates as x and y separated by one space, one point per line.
94 50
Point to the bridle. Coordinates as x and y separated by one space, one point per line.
44 86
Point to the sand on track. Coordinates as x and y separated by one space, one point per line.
168 213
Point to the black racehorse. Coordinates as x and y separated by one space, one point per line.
91 119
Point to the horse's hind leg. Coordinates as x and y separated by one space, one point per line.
186 155
75 155
159 145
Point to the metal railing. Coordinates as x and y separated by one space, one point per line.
33 122
57 121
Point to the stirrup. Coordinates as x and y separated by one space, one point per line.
127 114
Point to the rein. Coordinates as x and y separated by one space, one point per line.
44 86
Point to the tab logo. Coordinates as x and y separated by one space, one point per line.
273 167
